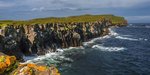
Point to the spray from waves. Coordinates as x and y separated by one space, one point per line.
38 59
91 42
109 49
112 32
51 57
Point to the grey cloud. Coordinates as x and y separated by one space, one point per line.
55 4
4 4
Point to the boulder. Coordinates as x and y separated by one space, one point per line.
33 69
10 66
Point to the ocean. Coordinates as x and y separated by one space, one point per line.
125 51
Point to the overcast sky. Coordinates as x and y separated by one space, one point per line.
132 10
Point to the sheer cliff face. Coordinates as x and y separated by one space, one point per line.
29 31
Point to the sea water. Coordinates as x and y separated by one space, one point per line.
125 51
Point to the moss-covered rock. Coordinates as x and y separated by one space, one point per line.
7 64
33 69
10 66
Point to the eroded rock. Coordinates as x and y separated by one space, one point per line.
10 66
7 64
33 69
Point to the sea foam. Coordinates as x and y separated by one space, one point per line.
110 49
126 38
53 57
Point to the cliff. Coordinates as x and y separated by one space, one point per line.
43 35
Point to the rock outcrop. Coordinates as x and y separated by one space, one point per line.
10 66
32 69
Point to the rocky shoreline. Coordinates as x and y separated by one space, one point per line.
10 66
20 40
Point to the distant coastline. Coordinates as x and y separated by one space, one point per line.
81 18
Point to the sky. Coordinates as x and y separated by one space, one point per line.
134 11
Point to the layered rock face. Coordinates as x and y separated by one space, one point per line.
42 38
10 66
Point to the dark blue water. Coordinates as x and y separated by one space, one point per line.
126 51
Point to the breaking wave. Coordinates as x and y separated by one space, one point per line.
131 39
91 42
126 38
52 57
112 32
110 49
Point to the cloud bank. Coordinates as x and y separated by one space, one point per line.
55 4
43 8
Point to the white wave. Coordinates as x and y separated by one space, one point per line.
95 39
112 32
53 57
126 35
29 57
38 59
130 24
131 39
70 48
126 38
143 39
50 56
91 41
110 49
147 26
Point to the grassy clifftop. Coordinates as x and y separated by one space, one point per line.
81 18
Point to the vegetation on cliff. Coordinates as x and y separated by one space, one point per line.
81 18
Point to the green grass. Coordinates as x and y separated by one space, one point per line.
81 18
